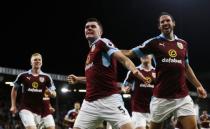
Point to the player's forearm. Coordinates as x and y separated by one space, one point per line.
191 77
82 79
69 120
53 94
128 53
130 66
13 96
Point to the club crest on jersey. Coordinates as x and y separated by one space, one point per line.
93 48
180 45
41 79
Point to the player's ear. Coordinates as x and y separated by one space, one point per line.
158 26
31 62
174 24
101 32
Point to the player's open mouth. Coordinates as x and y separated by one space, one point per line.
89 32
166 28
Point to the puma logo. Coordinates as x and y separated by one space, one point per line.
162 44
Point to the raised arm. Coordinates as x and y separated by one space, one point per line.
193 79
73 79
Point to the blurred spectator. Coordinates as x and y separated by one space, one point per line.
205 120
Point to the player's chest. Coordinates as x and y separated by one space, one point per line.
37 82
74 114
173 49
95 53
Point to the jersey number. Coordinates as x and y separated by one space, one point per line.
121 109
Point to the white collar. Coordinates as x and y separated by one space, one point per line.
142 68
92 43
162 36
30 72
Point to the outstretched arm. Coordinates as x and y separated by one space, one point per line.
73 79
127 63
193 79
128 53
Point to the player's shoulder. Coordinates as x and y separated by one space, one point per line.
71 110
46 75
151 40
106 41
181 41
23 73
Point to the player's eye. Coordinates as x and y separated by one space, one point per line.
93 26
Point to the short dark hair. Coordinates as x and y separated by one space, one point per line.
95 20
165 13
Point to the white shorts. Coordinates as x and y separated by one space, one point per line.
48 121
161 109
28 118
110 109
140 119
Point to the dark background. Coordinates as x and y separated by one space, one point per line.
56 30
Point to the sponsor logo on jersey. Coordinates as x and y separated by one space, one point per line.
180 45
41 79
34 90
172 53
146 85
35 85
171 60
149 79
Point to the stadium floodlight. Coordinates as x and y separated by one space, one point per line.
9 83
82 90
65 90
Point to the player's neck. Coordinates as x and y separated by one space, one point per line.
169 36
35 71
146 66
92 40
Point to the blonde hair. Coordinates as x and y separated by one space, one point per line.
36 54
